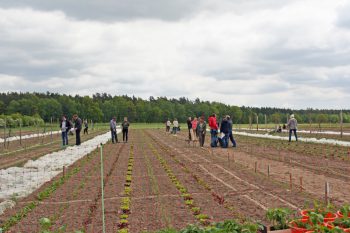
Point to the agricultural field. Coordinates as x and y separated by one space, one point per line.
159 181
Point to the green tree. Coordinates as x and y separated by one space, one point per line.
49 108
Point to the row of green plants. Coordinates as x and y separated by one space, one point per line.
227 226
17 120
46 224
126 200
218 198
186 196
41 196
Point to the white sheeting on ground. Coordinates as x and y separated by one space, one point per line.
313 140
301 131
22 181
15 138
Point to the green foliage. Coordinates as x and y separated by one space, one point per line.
102 107
229 226
279 217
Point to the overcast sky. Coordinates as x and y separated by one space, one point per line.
258 53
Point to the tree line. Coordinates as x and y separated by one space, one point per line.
102 107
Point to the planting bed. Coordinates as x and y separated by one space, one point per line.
33 148
158 181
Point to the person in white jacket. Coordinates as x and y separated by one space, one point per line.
292 126
175 126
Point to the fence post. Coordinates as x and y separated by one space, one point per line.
20 132
51 129
326 193
5 133
102 189
341 123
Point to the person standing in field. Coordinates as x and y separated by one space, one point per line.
224 131
167 126
292 126
213 130
86 127
194 126
230 128
189 126
65 126
201 130
175 126
125 126
113 127
78 124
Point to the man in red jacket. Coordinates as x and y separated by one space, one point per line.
213 130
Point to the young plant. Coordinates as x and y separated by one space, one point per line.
279 218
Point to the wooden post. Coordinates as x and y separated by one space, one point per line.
301 184
250 122
290 181
341 123
266 123
51 129
5 133
257 122
228 158
326 193
310 121
20 132
256 166
268 171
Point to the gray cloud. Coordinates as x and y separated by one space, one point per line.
260 53
111 10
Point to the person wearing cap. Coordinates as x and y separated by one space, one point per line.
113 127
230 126
292 126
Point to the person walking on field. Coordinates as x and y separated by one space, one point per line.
113 127
78 124
230 128
213 130
167 126
201 131
194 126
292 126
86 127
125 126
65 126
175 126
224 131
189 126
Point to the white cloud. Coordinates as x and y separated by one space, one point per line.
263 54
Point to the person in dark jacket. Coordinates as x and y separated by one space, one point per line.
113 127
65 126
86 127
125 126
189 126
224 130
78 124
230 126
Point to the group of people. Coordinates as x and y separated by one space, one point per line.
197 129
75 125
221 133
176 126
125 129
